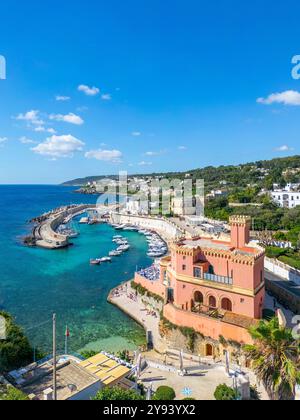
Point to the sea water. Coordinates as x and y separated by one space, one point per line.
35 283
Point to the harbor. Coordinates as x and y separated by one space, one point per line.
52 230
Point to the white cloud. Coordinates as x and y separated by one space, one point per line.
59 146
41 129
89 91
3 139
61 98
182 148
289 97
32 117
159 153
106 97
114 156
284 148
143 163
25 140
69 118
136 133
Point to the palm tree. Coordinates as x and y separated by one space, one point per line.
275 358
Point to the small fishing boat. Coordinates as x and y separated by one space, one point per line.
124 248
114 254
105 259
120 227
130 228
95 261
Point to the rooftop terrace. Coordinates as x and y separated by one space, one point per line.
71 379
207 243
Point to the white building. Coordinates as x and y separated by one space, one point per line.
216 194
286 199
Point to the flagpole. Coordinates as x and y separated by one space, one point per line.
66 341
54 359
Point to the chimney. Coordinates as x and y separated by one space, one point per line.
48 394
240 231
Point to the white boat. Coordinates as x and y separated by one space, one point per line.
105 259
120 227
155 254
95 262
124 248
130 228
115 254
84 221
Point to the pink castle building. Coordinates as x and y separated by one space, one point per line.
217 288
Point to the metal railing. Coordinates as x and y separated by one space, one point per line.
218 279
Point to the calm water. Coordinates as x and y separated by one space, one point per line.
34 283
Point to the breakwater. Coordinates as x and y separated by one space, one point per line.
44 233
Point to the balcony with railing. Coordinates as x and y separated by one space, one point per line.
218 279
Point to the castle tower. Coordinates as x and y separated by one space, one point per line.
240 230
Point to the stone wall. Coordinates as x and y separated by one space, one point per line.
153 286
164 227
291 300
177 341
207 326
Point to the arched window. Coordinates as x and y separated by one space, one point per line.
212 302
226 305
198 297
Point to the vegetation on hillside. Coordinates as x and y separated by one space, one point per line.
286 256
268 217
239 175
15 350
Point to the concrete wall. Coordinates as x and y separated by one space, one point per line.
87 393
282 270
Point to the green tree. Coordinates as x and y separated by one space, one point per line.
117 394
225 393
164 393
275 358
87 354
11 393
15 351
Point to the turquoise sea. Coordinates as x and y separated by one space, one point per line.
35 283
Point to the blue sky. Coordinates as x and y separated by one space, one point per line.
97 86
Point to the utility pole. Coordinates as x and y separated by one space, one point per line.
54 359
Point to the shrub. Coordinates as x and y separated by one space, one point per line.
117 394
15 351
165 393
87 354
12 394
268 314
224 393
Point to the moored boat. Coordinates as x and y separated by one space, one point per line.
96 261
